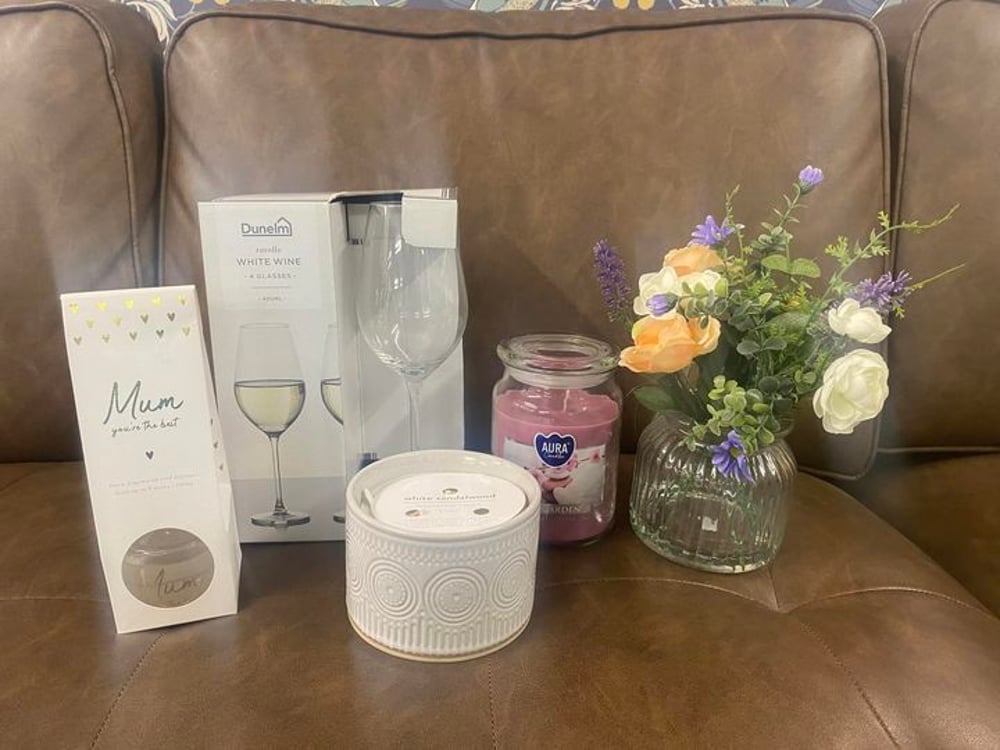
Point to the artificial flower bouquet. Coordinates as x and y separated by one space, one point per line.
735 331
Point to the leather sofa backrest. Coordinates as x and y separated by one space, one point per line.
558 129
944 356
79 152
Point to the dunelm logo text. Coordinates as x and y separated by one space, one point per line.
280 228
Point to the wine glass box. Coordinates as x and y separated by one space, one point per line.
303 402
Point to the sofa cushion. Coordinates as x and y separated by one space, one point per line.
944 356
79 158
852 638
558 129
948 506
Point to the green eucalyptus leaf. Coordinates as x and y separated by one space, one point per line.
775 344
789 322
769 384
805 267
654 398
776 263
748 347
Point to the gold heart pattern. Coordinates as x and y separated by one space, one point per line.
74 308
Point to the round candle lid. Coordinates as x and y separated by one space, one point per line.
447 502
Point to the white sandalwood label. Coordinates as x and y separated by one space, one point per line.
448 502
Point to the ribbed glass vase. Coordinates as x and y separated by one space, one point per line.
684 509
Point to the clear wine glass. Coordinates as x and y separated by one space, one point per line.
411 303
330 381
270 392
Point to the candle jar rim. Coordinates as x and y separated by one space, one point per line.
561 355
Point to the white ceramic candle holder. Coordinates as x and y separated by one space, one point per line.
441 549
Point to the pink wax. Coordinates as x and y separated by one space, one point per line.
568 439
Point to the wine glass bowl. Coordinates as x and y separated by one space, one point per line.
411 303
330 379
270 391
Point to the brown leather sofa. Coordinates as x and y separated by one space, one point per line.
558 129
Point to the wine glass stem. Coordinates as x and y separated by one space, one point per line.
413 392
279 503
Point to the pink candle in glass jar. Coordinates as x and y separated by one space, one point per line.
556 412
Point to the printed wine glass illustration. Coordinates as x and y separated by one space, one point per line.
270 392
329 385
411 303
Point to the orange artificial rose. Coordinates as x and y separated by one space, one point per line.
692 259
706 339
668 344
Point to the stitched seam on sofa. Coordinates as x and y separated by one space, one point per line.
896 590
686 22
650 579
986 450
493 714
126 135
6 488
121 691
850 676
67 598
683 21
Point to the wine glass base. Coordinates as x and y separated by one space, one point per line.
280 520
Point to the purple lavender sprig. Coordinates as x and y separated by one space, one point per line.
886 293
730 458
809 177
617 292
711 233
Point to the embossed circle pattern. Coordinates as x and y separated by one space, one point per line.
511 581
391 588
354 580
456 596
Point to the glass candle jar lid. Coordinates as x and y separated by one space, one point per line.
558 360
447 502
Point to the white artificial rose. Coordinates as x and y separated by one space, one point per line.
855 387
663 281
666 281
700 282
863 324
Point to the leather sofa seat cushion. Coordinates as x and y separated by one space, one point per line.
79 151
559 129
949 506
853 638
944 356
